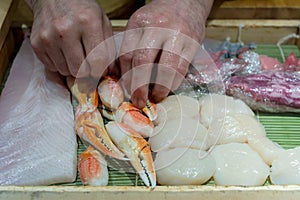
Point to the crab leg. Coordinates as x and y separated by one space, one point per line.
92 168
112 96
110 93
132 116
150 110
136 148
89 124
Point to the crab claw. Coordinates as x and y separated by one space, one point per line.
150 110
132 116
110 93
92 168
89 124
90 128
136 148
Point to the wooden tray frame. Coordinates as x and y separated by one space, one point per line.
260 31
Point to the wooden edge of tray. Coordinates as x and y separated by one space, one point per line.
160 192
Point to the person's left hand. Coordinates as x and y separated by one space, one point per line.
164 32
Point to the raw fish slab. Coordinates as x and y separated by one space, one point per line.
37 139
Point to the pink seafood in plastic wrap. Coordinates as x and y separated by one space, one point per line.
273 91
268 63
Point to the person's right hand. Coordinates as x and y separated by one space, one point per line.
64 32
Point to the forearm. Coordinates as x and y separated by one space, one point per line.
201 8
205 6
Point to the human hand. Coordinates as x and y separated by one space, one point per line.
164 32
66 32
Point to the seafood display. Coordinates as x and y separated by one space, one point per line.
181 140
222 133
37 140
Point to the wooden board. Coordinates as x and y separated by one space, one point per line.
228 9
160 192
5 52
258 31
7 9
257 9
256 28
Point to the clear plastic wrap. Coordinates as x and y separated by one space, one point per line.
263 82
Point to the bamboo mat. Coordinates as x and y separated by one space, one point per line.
283 128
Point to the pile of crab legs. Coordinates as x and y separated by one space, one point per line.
121 138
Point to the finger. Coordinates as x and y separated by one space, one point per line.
166 73
130 42
181 70
51 55
57 57
167 67
42 54
186 57
142 65
74 55
47 62
100 51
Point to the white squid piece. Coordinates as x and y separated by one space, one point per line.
184 166
286 168
237 164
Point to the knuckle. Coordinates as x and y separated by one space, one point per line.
44 38
84 18
63 27
139 18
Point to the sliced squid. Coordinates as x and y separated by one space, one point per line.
286 168
217 106
237 164
183 166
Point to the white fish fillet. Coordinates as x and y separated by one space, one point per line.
37 139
